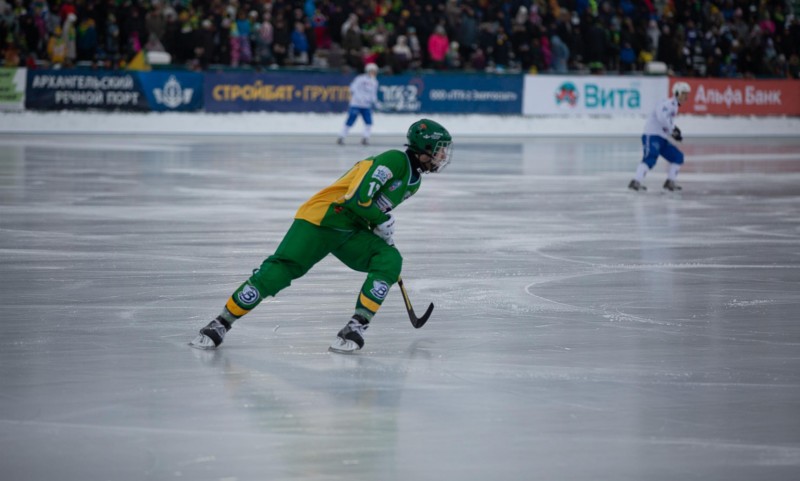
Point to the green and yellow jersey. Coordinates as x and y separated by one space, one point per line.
363 195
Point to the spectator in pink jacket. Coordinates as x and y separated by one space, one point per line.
438 45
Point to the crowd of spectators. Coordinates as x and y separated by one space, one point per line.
712 38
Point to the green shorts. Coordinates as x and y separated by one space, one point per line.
304 245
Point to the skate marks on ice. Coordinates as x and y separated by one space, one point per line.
578 329
678 298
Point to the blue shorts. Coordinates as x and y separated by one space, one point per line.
354 112
655 145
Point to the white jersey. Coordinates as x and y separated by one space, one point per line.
364 91
662 120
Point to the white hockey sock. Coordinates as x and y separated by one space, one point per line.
228 316
345 129
673 171
367 131
641 171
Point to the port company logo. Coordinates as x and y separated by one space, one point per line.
568 93
173 95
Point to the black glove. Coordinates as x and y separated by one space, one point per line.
676 134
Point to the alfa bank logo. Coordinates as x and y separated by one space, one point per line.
748 95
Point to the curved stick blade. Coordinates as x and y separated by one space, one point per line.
419 322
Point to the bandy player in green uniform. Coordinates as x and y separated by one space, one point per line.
351 219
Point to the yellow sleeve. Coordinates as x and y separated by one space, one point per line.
344 193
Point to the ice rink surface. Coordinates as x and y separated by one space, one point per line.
581 331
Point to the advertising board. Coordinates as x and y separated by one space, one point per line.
276 92
309 92
741 97
452 93
598 95
84 90
113 90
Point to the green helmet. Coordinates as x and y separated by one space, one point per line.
428 137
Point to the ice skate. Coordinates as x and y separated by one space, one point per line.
351 337
636 185
340 141
211 336
364 142
671 186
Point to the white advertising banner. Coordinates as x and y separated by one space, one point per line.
595 95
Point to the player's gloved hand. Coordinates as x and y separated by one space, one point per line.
676 134
386 230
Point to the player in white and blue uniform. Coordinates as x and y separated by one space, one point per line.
659 127
363 98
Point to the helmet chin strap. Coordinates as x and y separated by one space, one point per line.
415 162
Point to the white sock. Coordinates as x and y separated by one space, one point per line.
641 171
345 129
673 171
367 131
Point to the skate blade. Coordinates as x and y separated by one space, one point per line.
202 342
343 346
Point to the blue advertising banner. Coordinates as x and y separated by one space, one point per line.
272 92
82 90
308 92
277 92
457 93
173 91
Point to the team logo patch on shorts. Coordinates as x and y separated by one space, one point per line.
248 295
379 289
